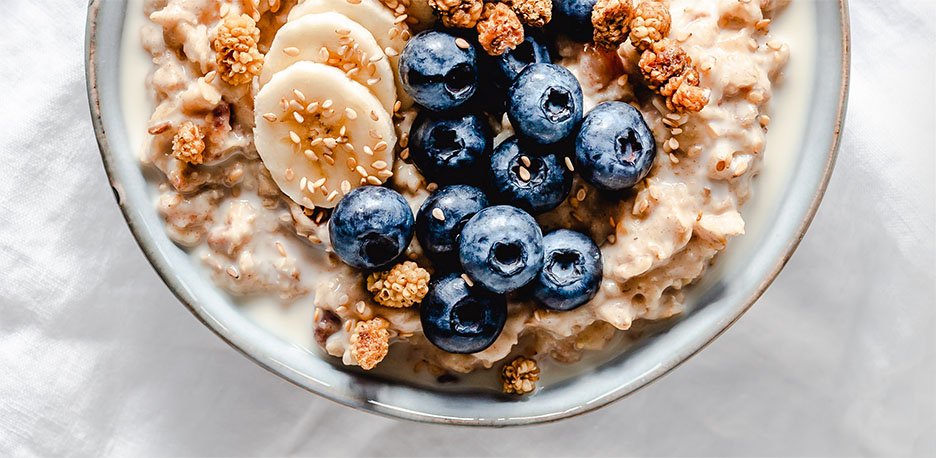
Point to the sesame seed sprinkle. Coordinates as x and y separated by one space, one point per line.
289 175
343 31
525 160
350 114
524 174
309 185
568 163
352 163
384 174
309 154
302 182
324 53
332 195
291 51
462 43
380 146
282 251
319 183
374 116
299 95
361 171
345 187
374 134
376 58
374 180
327 104
467 280
404 154
298 117
373 81
210 76
269 117
330 142
330 160
232 271
368 151
397 105
379 165
438 214
294 137
390 51
295 105
580 195
353 72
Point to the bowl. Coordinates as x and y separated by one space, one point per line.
776 225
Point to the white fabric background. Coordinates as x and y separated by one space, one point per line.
98 358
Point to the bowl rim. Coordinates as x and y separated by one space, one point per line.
175 285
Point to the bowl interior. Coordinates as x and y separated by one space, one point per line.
798 161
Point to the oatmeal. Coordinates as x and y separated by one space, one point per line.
268 114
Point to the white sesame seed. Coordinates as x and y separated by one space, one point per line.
319 183
225 9
289 175
350 114
462 43
384 174
302 182
327 104
374 180
673 144
363 181
345 187
525 160
390 51
299 95
343 31
232 271
393 32
309 185
291 51
295 105
368 151
361 171
310 155
406 35
524 174
269 117
379 165
353 72
568 163
352 163
210 76
316 142
282 251
400 19
374 134
330 160
397 105
331 196
342 131
324 53
404 154
376 58
294 137
330 142
380 146
354 2
438 214
467 280
298 117
580 195
373 81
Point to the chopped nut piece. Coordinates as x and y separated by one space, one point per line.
236 46
611 19
499 29
520 376
458 13
650 24
534 13
402 286
664 60
370 342
189 144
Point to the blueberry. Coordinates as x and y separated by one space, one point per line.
501 247
571 272
532 50
461 319
614 148
370 227
436 72
544 103
545 183
449 148
574 17
457 203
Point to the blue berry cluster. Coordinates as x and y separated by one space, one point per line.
478 228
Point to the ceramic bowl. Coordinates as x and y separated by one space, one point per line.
741 275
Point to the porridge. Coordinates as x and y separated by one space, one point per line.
268 114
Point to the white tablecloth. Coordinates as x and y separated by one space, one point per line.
98 358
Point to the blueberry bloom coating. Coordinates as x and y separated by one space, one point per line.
371 227
455 204
501 247
459 318
450 147
574 18
528 175
572 271
436 72
544 103
614 148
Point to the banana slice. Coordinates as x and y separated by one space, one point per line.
374 16
321 134
333 39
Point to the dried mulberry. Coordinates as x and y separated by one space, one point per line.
236 46
611 20
499 29
650 24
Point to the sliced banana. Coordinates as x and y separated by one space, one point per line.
374 16
320 134
333 39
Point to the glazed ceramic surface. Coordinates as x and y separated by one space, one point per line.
776 223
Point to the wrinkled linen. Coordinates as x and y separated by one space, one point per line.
98 358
